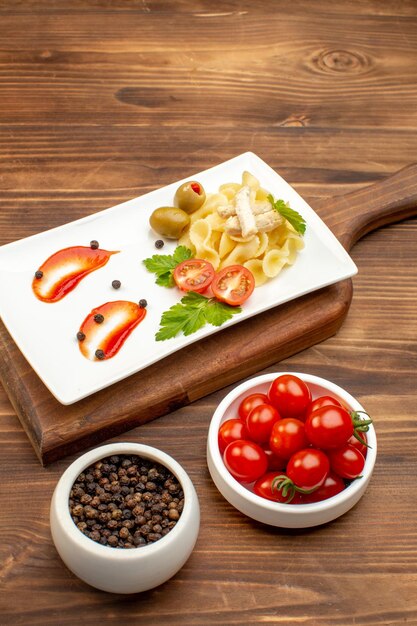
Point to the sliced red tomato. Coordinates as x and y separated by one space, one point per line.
233 285
194 275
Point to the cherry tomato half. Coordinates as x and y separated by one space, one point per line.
250 402
260 422
347 462
290 395
263 487
331 487
233 285
287 437
229 431
194 275
329 427
319 402
308 468
245 460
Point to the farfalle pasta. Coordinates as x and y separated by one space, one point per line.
238 225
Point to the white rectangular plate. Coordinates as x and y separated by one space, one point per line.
46 333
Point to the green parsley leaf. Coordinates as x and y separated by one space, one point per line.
219 312
192 313
293 217
163 265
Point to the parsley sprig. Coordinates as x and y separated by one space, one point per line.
192 313
163 265
293 217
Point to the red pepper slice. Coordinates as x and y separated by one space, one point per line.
103 339
63 270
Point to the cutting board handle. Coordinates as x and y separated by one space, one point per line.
390 200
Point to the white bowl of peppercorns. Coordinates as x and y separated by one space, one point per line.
125 517
291 450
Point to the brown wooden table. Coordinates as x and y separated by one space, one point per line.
101 101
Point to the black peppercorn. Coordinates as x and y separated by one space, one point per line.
143 304
80 336
112 507
116 284
159 244
38 274
94 244
99 318
100 355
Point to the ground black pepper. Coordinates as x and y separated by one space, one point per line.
126 501
159 244
116 284
38 274
143 303
99 318
80 336
99 355
94 244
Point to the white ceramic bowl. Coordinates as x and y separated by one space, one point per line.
121 570
275 513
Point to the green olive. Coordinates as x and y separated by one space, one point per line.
190 196
169 221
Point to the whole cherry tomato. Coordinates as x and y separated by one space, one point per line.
250 402
287 437
347 462
231 430
290 395
308 468
331 487
319 402
329 427
357 444
260 421
245 460
263 487
233 284
194 275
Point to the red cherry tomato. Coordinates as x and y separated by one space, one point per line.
231 430
250 402
329 427
194 275
275 463
245 460
260 422
308 468
290 395
287 437
233 285
319 402
358 445
331 487
347 462
263 487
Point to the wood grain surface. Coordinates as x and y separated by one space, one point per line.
102 101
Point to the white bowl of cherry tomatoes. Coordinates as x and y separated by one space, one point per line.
291 450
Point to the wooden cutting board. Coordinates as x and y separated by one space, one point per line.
219 360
